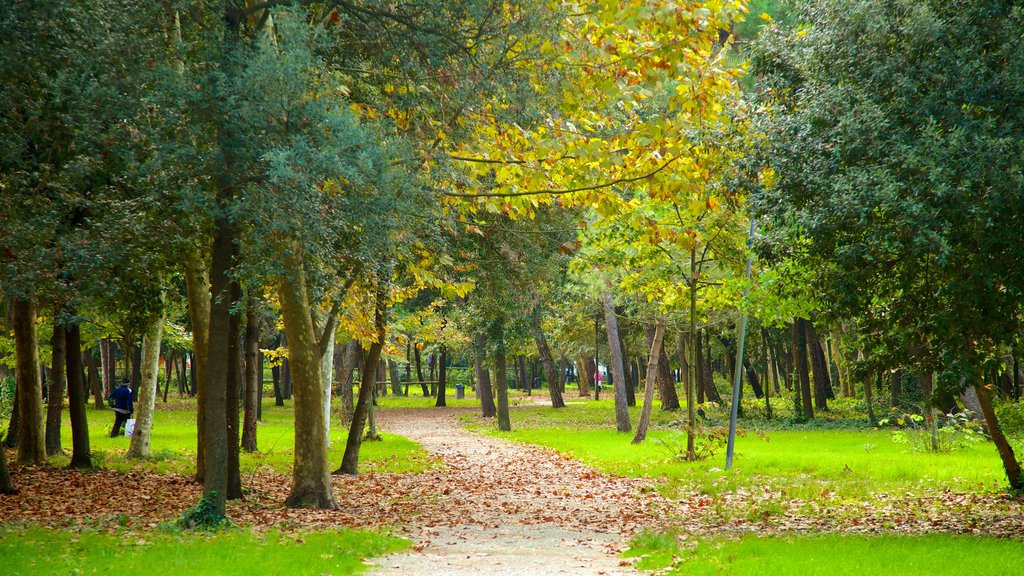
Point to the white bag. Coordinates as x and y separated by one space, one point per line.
129 427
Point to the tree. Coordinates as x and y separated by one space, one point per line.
898 176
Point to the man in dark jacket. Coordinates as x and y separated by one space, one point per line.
123 408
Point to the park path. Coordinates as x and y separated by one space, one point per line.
513 509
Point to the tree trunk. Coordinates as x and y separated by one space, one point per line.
368 377
396 379
31 445
618 368
419 372
353 352
327 373
657 333
6 486
311 486
521 375
483 378
1010 464
213 389
150 369
77 399
11 438
55 394
666 384
800 361
442 377
253 393
275 377
168 371
587 375
501 381
550 370
197 283
107 371
95 381
819 367
232 400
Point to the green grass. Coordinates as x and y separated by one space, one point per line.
800 463
173 443
829 555
39 552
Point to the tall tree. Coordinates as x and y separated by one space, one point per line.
926 150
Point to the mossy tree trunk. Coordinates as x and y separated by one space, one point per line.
139 446
31 444
619 383
658 332
197 284
311 478
1010 464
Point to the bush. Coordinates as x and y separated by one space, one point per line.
952 432
7 386
1011 416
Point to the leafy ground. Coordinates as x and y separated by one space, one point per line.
463 496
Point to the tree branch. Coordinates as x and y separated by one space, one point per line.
556 192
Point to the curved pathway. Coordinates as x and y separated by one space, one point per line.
515 509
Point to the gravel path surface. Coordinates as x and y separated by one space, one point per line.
513 509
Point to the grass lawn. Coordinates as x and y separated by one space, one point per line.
829 555
40 552
801 463
173 443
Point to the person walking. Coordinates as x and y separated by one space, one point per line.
121 400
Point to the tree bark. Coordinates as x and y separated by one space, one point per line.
442 377
589 369
800 361
77 399
253 393
326 351
483 378
311 479
353 352
368 377
618 368
150 369
55 394
197 284
501 381
419 372
232 400
657 333
666 384
819 367
31 445
550 370
1010 464
396 379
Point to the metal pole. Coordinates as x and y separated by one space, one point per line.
737 374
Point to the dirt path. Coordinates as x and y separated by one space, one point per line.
515 509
